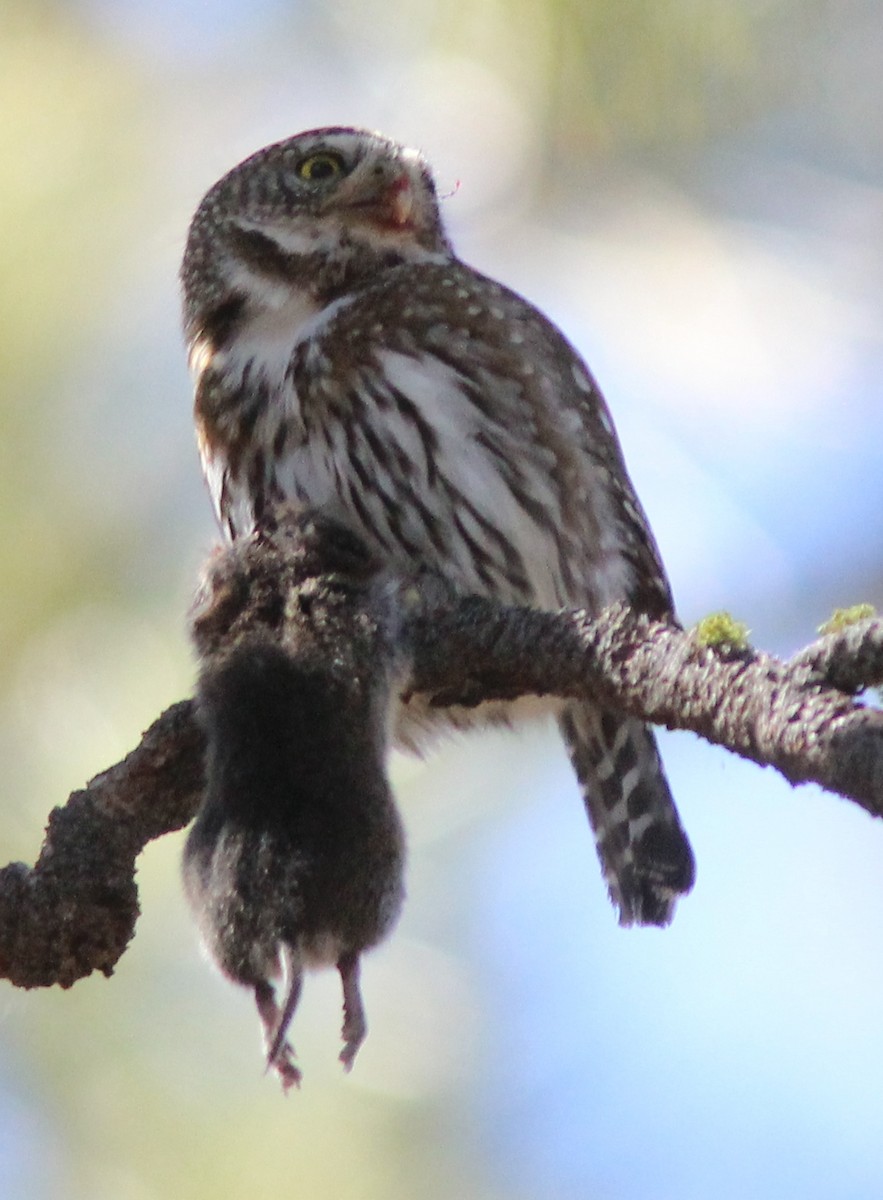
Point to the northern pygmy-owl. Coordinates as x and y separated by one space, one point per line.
345 358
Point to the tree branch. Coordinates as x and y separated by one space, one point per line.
785 715
75 910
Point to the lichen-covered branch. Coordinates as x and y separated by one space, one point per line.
787 715
74 911
849 659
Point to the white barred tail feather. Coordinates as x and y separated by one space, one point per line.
645 855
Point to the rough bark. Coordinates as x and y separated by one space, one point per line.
75 910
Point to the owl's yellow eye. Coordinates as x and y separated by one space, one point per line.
320 166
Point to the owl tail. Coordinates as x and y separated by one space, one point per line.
644 852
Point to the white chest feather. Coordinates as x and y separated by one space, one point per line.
396 443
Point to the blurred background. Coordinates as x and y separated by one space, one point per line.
694 192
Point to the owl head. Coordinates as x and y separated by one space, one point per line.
320 207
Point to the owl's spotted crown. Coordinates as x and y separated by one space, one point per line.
302 169
344 194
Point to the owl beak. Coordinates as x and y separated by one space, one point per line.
401 202
391 206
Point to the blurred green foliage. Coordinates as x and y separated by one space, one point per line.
70 169
646 77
